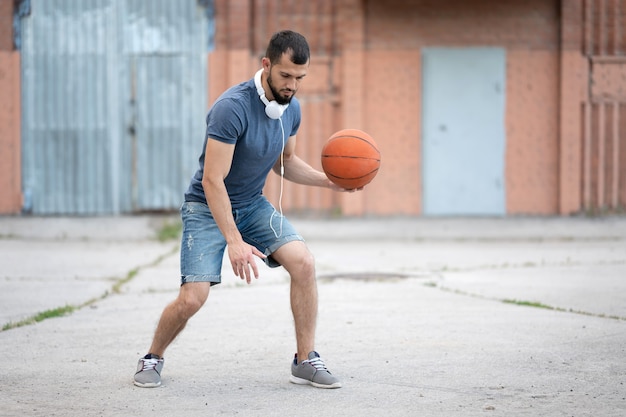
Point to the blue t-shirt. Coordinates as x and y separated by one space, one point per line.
238 117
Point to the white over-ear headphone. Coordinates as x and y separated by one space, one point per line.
272 108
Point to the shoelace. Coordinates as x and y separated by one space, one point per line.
149 364
317 363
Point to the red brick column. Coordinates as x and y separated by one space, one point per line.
10 115
6 25
574 82
230 62
351 37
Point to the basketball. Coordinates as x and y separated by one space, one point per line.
350 158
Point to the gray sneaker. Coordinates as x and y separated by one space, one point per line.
148 373
312 371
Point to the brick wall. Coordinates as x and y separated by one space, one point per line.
529 30
412 24
10 149
602 150
243 29
367 53
6 25
366 73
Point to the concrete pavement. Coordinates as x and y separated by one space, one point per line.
434 317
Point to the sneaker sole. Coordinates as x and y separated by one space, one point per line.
147 384
301 381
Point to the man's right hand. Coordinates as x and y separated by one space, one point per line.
241 257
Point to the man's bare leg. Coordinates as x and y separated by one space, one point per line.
298 261
175 316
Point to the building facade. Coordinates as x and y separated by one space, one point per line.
478 107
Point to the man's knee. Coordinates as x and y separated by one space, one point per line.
308 264
192 297
303 268
296 258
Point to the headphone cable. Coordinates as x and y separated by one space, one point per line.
282 179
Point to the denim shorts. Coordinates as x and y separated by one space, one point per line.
203 245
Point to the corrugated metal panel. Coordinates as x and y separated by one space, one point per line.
166 55
114 97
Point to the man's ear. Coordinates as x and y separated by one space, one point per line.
266 64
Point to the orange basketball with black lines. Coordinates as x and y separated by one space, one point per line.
350 158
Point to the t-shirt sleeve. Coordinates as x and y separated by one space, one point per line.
225 121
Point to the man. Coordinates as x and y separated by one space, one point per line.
224 207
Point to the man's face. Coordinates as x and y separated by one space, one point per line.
284 79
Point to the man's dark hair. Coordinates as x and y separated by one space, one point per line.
291 42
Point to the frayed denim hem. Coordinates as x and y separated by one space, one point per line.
213 279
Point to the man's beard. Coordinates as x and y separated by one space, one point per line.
277 97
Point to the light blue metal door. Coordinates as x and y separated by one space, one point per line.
463 131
